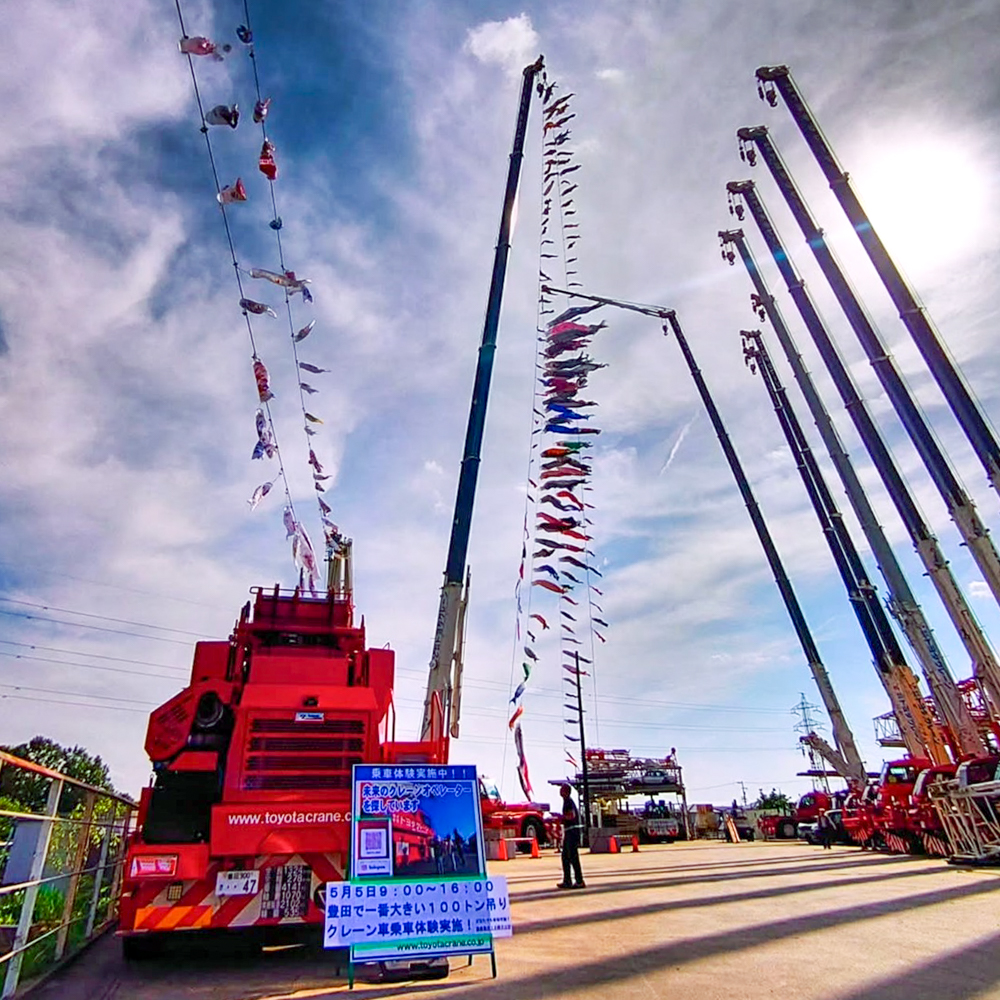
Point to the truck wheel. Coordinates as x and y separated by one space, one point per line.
786 829
532 828
141 947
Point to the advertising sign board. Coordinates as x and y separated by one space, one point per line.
418 885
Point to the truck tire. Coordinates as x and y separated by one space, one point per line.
532 827
785 829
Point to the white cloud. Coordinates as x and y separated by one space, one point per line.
512 43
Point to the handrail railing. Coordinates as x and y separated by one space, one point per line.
59 871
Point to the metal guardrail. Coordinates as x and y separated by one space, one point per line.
62 845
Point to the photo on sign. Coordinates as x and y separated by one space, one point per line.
434 826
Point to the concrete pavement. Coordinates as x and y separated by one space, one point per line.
699 921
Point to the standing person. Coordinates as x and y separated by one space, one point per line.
571 841
825 830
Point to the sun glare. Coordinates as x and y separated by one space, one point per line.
928 201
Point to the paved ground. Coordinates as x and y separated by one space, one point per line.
684 922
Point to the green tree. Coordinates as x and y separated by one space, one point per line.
774 800
30 791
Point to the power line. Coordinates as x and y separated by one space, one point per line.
95 628
112 586
555 693
103 618
100 656
79 694
72 704
493 712
91 666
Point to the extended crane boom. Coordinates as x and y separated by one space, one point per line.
916 724
855 771
445 673
911 312
960 507
901 601
925 544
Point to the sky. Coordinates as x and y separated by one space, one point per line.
127 398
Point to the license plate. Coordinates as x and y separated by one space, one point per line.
237 883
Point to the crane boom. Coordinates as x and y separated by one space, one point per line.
960 507
911 311
925 544
834 758
445 672
901 601
842 734
916 724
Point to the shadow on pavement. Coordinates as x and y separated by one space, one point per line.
862 861
959 975
623 913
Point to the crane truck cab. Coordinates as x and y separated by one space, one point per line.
527 819
891 808
924 818
248 815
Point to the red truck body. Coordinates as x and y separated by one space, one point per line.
924 819
249 814
527 819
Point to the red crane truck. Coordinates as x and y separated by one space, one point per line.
248 816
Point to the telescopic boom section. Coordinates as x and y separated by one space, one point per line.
919 325
960 507
445 673
841 731
850 766
901 601
925 544
916 723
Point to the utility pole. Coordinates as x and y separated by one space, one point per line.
585 839
743 788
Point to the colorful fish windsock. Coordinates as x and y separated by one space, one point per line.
265 442
266 163
231 193
259 494
260 110
304 332
518 712
198 45
257 308
224 114
522 763
263 386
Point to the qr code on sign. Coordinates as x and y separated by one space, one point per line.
374 844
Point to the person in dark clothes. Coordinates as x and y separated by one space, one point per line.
571 842
825 830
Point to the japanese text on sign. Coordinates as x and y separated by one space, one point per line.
398 913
